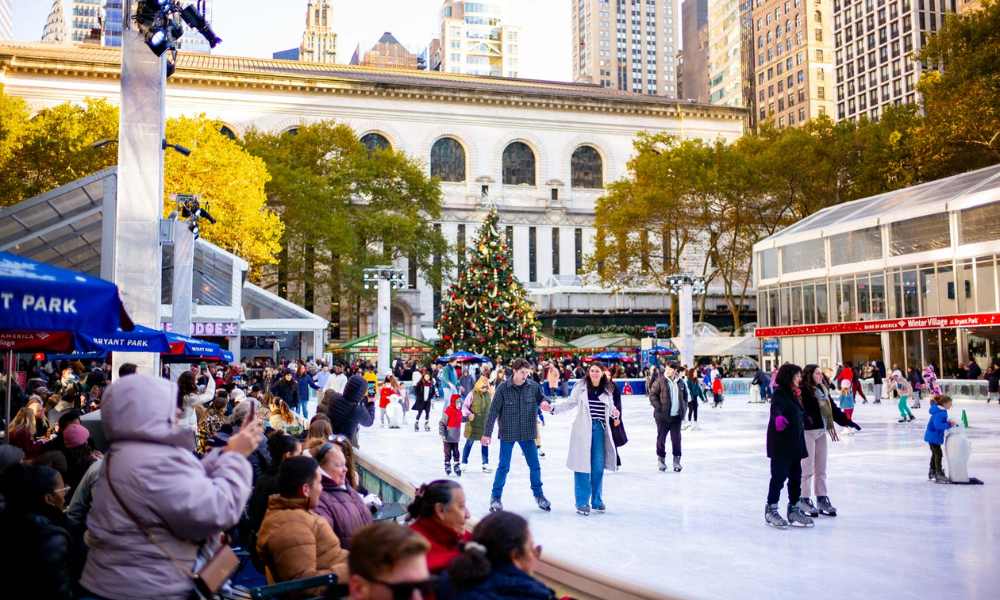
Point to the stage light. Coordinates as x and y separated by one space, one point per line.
195 19
183 150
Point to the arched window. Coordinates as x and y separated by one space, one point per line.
375 141
587 168
292 131
226 131
518 164
448 160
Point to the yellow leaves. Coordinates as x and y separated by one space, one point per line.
231 182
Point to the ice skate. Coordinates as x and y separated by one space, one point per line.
940 477
902 420
773 518
487 469
447 469
496 505
797 518
685 426
912 418
807 507
416 426
458 470
583 511
930 474
677 464
600 508
662 464
824 506
427 426
541 453
543 503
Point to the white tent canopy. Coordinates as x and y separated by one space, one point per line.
721 345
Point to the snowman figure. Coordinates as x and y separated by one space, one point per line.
395 411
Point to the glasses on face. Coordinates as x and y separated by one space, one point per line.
61 490
403 590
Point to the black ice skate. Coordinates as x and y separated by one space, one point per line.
583 511
427 426
487 469
458 470
677 464
773 518
416 426
495 505
797 518
807 507
600 508
447 468
824 506
662 464
543 503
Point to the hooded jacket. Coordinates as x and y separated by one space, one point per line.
350 411
181 501
295 543
936 425
344 509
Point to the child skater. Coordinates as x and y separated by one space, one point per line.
846 400
903 391
450 429
934 435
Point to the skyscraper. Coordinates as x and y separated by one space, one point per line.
694 32
388 52
793 52
6 20
626 45
319 42
875 49
113 23
74 22
476 40
725 80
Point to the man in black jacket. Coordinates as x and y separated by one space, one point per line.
352 409
668 395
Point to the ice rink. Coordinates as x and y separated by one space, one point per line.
701 533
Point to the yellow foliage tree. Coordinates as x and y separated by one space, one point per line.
231 182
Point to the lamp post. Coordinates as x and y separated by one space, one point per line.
384 279
685 286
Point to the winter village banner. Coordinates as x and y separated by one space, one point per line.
944 322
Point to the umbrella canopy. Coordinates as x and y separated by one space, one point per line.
140 339
745 363
463 356
663 350
612 357
37 297
184 348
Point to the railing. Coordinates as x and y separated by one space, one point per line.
566 578
965 389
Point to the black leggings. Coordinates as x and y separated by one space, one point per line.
693 411
450 451
427 414
780 471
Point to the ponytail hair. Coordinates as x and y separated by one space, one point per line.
429 495
941 399
494 540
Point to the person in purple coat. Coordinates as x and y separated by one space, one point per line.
339 503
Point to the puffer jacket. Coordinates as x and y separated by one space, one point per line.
351 411
41 553
180 500
344 509
295 543
936 425
662 402
507 582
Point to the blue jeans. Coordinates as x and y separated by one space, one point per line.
302 408
530 452
588 486
468 448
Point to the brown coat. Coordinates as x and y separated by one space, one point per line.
295 543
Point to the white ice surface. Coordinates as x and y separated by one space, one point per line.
701 533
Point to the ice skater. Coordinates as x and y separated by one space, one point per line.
668 395
450 429
695 393
591 447
901 387
846 399
515 405
786 447
821 415
475 408
423 393
934 436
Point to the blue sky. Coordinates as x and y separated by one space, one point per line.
260 27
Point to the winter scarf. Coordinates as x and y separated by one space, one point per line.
826 409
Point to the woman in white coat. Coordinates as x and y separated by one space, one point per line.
591 449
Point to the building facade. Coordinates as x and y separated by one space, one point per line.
908 277
725 85
694 35
6 20
541 152
476 39
74 22
319 41
875 49
794 74
626 45
748 62
388 52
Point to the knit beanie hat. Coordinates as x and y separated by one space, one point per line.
76 435
355 389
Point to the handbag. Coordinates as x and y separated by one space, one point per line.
216 571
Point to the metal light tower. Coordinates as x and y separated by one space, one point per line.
385 279
685 286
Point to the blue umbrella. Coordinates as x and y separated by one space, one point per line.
184 348
463 356
76 356
663 350
610 356
140 339
35 296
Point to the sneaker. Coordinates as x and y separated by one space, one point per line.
662 464
543 503
773 518
487 469
806 506
600 508
797 518
495 505
824 506
677 464
583 511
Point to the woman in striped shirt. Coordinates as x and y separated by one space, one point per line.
591 449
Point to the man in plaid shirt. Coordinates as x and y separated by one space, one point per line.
515 404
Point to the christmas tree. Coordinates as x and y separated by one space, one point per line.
487 310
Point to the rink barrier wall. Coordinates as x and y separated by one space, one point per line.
964 389
566 578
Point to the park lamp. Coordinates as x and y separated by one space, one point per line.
676 282
372 275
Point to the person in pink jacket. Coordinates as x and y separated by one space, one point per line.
179 500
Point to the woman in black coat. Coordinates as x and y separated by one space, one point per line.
424 392
786 447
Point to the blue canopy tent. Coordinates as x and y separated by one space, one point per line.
612 357
43 306
139 339
663 350
462 356
188 349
